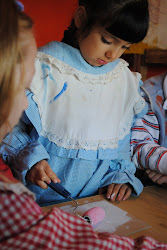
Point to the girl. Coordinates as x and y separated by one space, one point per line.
23 225
82 103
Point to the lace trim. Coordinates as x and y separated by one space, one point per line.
78 143
81 76
96 144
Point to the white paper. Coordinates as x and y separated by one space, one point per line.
114 216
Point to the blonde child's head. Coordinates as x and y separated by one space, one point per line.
18 51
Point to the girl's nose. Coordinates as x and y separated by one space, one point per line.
112 54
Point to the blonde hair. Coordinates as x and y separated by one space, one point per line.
12 22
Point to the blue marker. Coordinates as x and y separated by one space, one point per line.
61 92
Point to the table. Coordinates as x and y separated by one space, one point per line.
150 207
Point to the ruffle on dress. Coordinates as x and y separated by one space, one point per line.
100 154
64 68
80 99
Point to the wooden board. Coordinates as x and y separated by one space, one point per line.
150 207
116 220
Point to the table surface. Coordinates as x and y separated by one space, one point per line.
150 207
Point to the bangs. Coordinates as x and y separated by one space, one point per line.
129 24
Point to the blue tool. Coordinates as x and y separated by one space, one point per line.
59 189
62 191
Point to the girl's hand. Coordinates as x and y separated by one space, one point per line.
118 191
157 177
40 173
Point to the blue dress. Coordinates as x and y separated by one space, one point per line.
79 119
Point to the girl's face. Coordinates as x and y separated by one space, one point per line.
20 100
100 47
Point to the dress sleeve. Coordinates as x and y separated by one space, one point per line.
27 226
121 172
145 150
21 148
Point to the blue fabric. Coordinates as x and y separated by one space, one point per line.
73 57
81 172
153 88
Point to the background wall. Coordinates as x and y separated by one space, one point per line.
157 34
51 17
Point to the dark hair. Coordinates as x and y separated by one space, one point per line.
125 19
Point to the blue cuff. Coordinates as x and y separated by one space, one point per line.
27 158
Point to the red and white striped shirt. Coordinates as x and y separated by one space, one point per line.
146 152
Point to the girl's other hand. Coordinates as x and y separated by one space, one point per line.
118 192
40 173
158 178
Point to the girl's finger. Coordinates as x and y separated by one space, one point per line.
110 190
162 180
148 171
122 191
127 194
121 194
52 176
115 191
41 184
156 177
152 174
55 179
44 177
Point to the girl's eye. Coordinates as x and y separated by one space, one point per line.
127 48
105 41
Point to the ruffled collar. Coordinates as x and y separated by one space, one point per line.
84 77
73 57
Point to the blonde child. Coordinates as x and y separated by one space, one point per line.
82 104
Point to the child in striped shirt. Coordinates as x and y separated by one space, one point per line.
148 139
